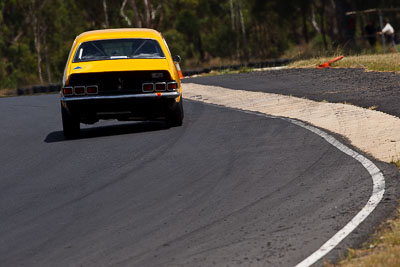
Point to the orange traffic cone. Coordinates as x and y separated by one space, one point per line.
328 64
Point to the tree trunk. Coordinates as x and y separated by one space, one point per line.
243 31
333 29
38 52
16 38
147 11
232 15
313 21
122 13
138 18
106 23
36 35
304 21
322 21
237 33
161 17
46 58
341 7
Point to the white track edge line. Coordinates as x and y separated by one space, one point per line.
378 189
377 194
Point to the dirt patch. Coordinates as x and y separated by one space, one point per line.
7 92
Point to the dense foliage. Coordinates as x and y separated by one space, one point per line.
36 35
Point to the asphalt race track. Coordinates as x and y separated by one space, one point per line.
226 189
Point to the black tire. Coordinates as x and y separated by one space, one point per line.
174 116
71 125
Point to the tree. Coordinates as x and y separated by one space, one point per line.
37 34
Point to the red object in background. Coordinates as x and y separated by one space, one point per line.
328 64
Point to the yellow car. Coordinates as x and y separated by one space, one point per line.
123 74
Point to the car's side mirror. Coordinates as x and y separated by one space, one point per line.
177 59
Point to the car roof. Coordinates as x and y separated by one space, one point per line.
118 33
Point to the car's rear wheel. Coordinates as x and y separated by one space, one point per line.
71 125
174 116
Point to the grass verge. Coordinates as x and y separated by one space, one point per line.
377 62
228 71
383 248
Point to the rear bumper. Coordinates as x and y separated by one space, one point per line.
133 96
89 109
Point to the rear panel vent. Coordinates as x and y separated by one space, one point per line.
112 83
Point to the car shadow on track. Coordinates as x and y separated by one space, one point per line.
110 130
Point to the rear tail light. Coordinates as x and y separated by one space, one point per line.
92 89
67 91
79 90
160 86
147 87
172 86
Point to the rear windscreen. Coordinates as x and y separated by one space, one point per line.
118 49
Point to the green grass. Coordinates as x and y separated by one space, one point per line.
228 71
